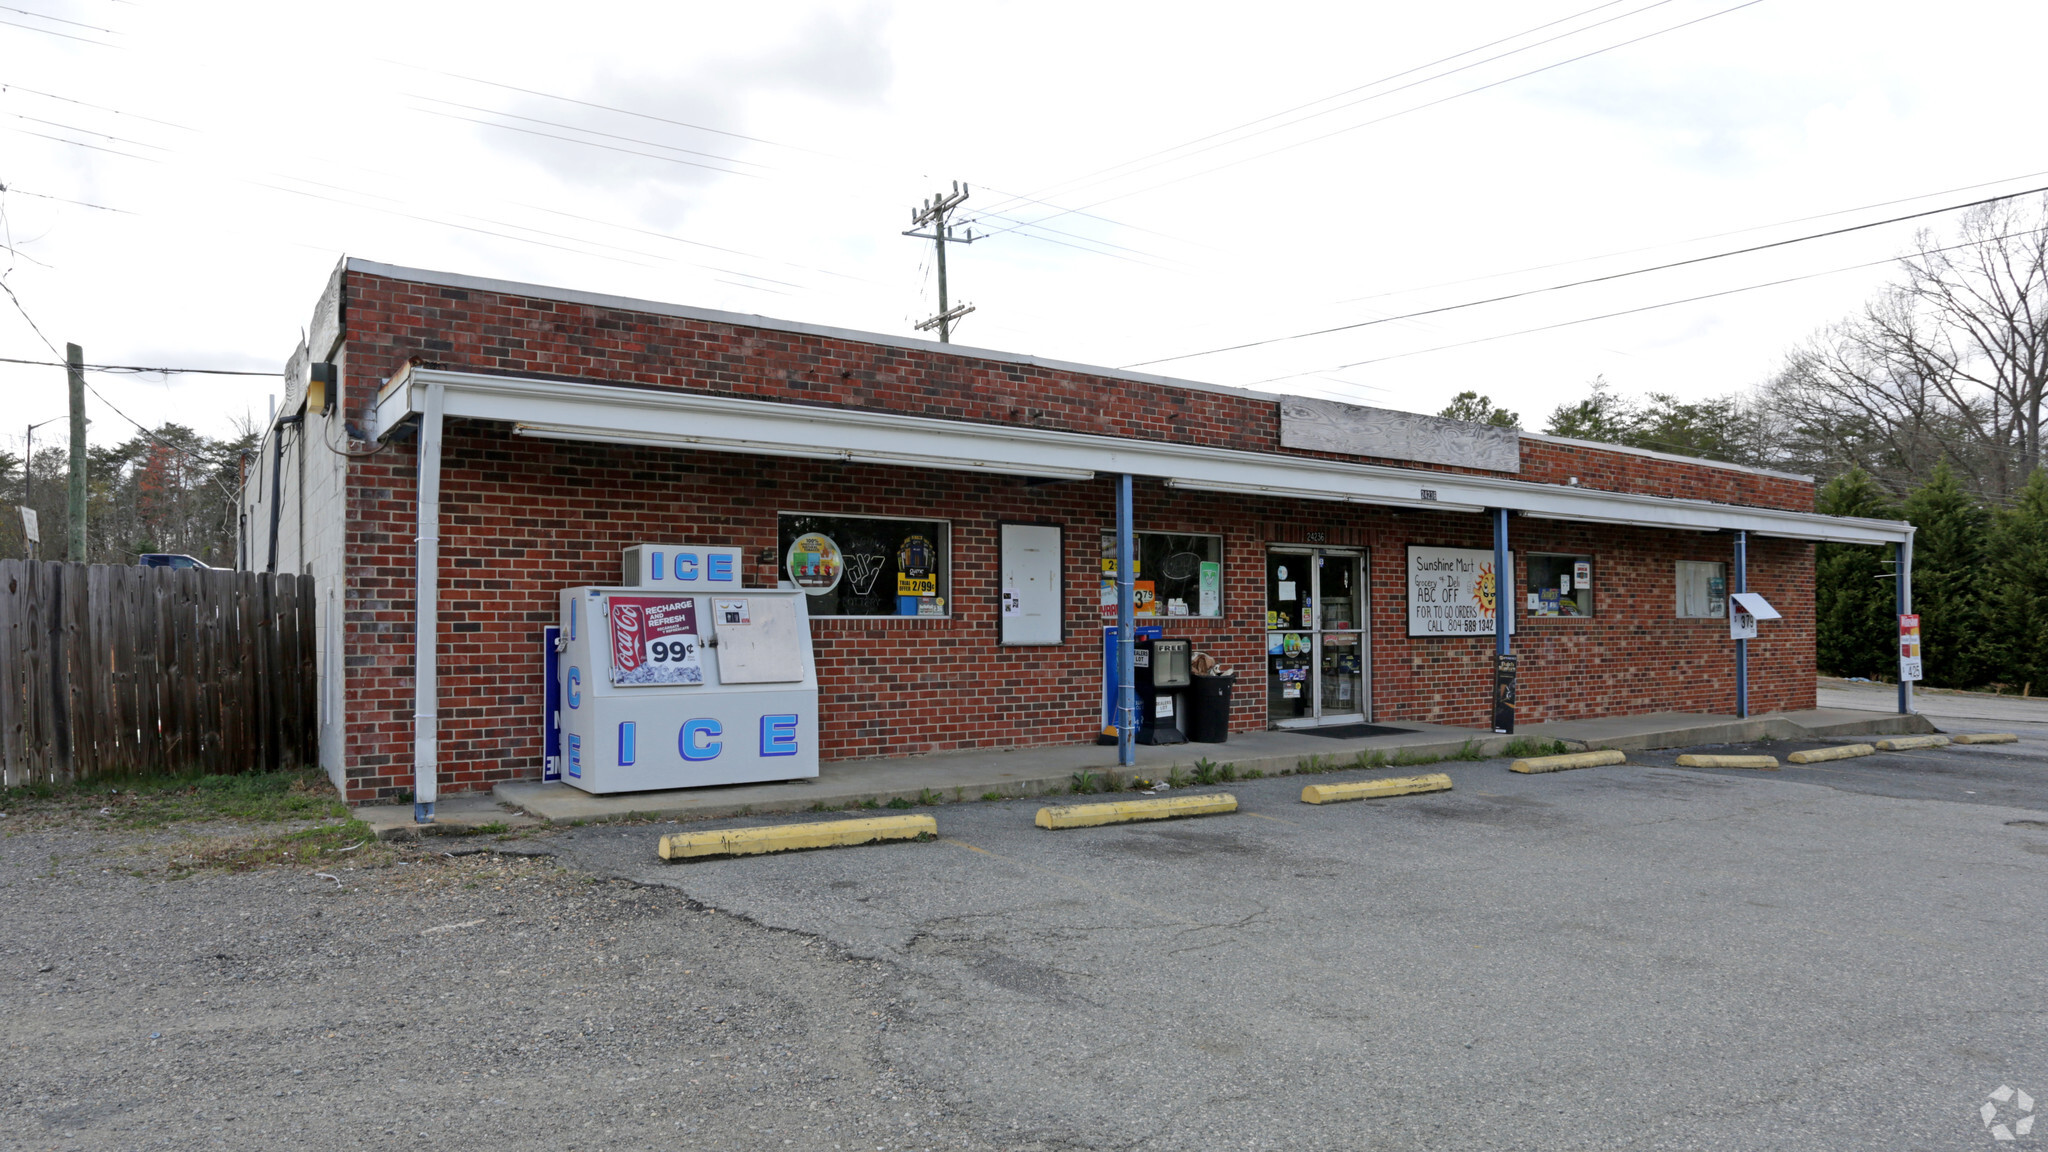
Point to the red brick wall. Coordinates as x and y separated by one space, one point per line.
391 321
524 518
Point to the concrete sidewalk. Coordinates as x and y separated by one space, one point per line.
976 775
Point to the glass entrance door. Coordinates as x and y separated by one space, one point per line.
1315 637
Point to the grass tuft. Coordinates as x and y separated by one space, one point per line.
255 798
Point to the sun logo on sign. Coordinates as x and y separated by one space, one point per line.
1484 593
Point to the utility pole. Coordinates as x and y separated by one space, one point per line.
933 213
74 358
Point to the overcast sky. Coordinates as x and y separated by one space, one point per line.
1192 177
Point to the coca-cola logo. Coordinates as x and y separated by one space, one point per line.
626 629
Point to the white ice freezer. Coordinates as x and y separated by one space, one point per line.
680 689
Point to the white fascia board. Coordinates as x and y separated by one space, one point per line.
613 413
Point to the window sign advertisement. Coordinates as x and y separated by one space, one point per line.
917 562
654 640
1453 591
815 563
1909 647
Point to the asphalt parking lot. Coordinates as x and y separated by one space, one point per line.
1839 956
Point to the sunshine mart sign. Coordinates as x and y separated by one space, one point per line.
1453 591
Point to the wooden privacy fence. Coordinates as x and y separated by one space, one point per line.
111 671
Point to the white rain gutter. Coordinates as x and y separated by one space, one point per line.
611 413
426 617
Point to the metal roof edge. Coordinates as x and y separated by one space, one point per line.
1674 457
1117 454
751 320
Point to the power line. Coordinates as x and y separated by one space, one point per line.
1634 311
94 147
138 369
579 128
5 87
1693 239
62 200
1086 180
1397 115
33 326
587 143
603 107
54 32
87 131
1594 279
185 452
59 20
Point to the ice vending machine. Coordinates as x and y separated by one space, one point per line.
681 689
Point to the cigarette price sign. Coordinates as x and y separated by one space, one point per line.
1909 647
654 640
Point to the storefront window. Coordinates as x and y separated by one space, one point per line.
1177 574
1560 585
867 565
1702 590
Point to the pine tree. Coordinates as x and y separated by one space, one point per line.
1855 603
1949 556
2018 599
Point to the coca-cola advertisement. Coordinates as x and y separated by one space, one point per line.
654 640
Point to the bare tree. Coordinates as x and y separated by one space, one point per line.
1988 299
1948 363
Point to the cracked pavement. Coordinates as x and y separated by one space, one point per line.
1635 956
1840 957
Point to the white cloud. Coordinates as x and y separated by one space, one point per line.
311 141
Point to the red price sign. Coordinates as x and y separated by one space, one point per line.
654 640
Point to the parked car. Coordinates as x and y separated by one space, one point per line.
169 560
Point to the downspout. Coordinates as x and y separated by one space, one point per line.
426 612
1126 677
277 484
1503 619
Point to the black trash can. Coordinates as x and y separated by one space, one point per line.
1208 719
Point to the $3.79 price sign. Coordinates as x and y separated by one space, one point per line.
654 640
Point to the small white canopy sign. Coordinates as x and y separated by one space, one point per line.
1748 608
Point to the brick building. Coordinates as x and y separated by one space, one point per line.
1329 553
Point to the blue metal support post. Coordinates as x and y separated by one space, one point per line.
1126 678
1741 646
1503 620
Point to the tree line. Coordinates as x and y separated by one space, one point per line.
168 490
1924 406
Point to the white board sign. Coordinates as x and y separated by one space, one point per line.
1452 591
1031 584
758 638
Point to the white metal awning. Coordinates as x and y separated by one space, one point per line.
615 414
